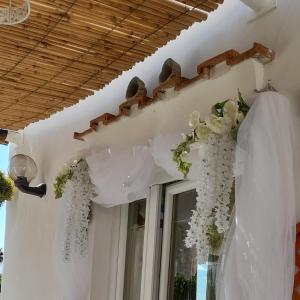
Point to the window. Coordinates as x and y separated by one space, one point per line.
158 266
134 250
183 261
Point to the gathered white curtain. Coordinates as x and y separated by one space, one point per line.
123 175
258 263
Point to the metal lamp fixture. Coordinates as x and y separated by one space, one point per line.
23 170
14 14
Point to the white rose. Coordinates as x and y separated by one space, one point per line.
219 125
231 111
194 120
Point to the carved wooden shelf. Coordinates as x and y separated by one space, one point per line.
231 57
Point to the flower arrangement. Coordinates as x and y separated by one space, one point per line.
217 136
73 185
225 118
7 188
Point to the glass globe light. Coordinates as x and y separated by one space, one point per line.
22 166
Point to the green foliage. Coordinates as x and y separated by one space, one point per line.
6 188
185 288
218 108
61 181
215 238
180 153
243 106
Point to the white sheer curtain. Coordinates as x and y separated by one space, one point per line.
123 175
259 262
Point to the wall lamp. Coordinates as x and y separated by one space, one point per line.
23 170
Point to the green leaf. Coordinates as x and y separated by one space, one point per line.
218 108
60 183
243 106
215 238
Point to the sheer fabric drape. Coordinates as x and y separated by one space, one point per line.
258 260
258 263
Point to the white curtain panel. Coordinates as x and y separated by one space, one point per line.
259 264
123 175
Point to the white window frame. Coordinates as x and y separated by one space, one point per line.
156 257
170 192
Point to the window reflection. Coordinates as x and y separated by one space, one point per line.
187 279
134 250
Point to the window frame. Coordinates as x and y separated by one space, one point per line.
156 253
170 192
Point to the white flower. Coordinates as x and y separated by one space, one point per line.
219 125
202 132
231 111
194 120
213 189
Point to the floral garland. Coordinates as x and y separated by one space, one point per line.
77 191
62 179
214 138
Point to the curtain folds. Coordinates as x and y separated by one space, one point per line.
259 261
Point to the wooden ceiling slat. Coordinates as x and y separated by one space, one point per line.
69 48
49 61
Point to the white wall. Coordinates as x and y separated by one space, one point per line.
31 222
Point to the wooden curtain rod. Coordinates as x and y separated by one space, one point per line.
231 57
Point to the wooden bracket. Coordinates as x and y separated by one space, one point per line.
140 101
105 119
258 51
205 67
232 57
174 82
79 135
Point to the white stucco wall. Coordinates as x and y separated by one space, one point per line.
29 272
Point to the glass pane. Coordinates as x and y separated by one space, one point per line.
187 279
134 250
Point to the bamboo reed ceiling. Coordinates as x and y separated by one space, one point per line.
67 49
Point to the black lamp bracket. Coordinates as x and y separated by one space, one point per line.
23 185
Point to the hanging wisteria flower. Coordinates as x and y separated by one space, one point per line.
214 140
77 193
